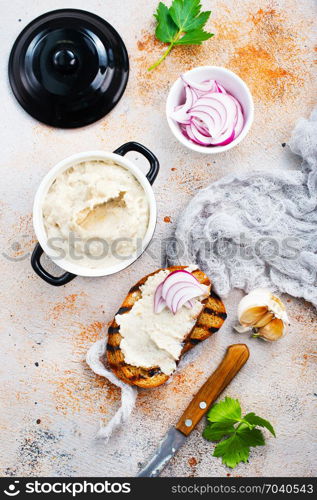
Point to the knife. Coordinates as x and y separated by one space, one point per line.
236 356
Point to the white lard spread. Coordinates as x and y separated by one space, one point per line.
151 339
96 213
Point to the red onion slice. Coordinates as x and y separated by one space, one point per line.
224 139
221 89
214 88
205 123
221 102
181 296
180 114
181 300
206 86
240 122
238 125
189 304
178 277
195 96
184 132
160 306
201 127
214 108
159 302
200 138
191 135
210 116
174 288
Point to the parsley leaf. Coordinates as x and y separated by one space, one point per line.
232 451
184 14
214 432
194 37
228 410
250 437
166 29
181 24
236 434
253 419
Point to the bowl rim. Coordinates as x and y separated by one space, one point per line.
214 149
46 183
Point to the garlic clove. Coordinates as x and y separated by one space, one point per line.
241 329
264 320
252 315
262 313
274 330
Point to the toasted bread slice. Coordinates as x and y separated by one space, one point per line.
208 322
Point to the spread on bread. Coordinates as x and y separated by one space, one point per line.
151 339
144 346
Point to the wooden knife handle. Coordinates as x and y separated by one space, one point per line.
235 357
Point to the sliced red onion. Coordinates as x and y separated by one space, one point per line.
180 115
216 110
240 122
212 87
181 296
215 115
224 104
171 290
195 95
206 86
189 304
190 134
199 138
206 123
178 276
179 287
200 125
221 89
176 287
159 302
183 129
224 139
210 116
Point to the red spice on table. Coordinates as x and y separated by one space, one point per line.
192 461
69 304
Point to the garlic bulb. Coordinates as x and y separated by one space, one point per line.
263 313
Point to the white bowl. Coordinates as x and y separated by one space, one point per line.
231 82
72 269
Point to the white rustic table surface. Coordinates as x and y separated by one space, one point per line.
51 404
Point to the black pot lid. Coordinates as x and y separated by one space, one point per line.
68 68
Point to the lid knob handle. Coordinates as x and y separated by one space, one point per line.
65 61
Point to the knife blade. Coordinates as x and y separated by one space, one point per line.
172 441
236 356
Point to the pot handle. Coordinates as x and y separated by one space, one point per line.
153 161
42 273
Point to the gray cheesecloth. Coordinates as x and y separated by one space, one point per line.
257 229
245 231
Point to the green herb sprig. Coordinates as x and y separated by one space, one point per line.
235 433
181 24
